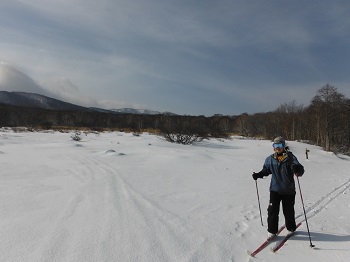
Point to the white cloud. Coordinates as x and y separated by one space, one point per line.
12 79
63 89
149 52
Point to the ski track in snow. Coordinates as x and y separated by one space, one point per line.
104 214
323 202
115 205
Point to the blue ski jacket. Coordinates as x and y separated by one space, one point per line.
282 180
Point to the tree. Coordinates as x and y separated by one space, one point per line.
327 107
288 115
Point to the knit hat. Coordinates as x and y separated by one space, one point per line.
279 140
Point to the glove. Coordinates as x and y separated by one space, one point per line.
256 175
295 169
298 170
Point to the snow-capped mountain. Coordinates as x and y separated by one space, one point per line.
136 111
36 101
33 100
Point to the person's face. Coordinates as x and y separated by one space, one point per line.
279 148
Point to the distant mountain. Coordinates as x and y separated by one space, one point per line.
136 111
33 100
24 99
132 111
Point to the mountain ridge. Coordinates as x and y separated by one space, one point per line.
34 100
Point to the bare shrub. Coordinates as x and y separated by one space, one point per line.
76 136
181 132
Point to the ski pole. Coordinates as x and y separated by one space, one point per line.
302 201
257 192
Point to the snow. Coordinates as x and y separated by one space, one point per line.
114 196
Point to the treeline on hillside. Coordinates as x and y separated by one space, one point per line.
325 122
215 126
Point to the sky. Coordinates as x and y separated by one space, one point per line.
187 57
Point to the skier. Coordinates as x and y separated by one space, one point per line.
282 164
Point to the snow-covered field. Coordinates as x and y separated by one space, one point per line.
119 197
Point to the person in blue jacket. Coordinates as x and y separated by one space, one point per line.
282 165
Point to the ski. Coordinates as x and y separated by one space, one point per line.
283 241
263 245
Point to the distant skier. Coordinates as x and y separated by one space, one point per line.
282 164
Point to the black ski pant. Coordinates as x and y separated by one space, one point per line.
273 210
